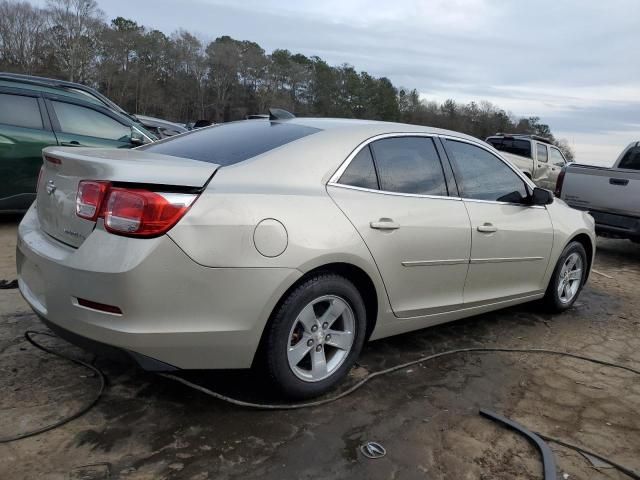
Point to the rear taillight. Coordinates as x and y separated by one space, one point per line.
144 213
89 198
131 211
559 182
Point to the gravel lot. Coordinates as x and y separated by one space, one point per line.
146 426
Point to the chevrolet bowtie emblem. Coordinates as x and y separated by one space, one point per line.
51 187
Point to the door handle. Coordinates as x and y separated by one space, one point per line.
72 143
618 181
487 228
384 224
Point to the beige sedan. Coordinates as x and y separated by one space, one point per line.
285 244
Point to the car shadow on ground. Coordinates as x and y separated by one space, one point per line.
253 386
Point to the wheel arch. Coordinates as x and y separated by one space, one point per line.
587 243
356 275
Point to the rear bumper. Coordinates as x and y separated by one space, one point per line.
174 311
109 351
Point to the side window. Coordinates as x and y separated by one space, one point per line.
20 111
542 153
79 120
361 172
511 145
631 159
483 176
556 157
409 165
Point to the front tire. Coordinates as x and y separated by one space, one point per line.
568 278
316 336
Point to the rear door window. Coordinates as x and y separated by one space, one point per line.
409 165
231 143
79 120
542 153
361 171
20 111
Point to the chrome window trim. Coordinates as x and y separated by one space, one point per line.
496 202
395 194
336 176
513 168
334 179
437 197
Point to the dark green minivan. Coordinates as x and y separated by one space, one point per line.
34 116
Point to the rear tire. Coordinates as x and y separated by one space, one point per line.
568 278
315 337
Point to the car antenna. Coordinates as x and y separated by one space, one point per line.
280 114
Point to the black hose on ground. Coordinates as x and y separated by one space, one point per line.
324 401
8 284
371 376
88 406
622 468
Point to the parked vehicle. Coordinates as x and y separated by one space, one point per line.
159 127
33 117
611 195
286 244
534 155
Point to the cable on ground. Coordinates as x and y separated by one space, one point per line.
295 406
371 376
88 406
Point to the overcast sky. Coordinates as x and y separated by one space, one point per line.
575 64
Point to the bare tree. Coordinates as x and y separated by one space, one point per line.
181 78
21 35
74 25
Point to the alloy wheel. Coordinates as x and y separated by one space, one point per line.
321 338
570 278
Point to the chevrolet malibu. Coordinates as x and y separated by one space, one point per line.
285 244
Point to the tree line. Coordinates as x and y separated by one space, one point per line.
180 78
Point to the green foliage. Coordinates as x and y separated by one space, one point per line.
179 78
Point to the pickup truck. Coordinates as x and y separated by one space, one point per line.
611 195
534 155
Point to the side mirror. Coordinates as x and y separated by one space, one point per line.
540 196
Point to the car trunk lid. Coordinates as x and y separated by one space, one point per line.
64 168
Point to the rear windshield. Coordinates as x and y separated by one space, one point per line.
231 142
512 145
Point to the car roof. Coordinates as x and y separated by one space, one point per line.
370 128
61 87
52 89
310 161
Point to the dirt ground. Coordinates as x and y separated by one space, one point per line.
426 417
